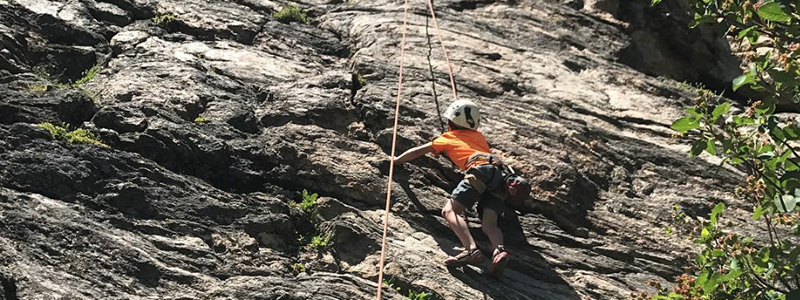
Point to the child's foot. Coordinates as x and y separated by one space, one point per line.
473 257
499 261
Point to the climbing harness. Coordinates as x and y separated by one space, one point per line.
396 117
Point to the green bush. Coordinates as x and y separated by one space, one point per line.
760 143
77 136
292 13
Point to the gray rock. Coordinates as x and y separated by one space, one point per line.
201 210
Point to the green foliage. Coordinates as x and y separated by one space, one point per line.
38 88
77 136
308 204
320 242
412 294
88 75
761 144
362 81
292 13
200 120
758 142
690 86
317 240
297 268
165 20
309 201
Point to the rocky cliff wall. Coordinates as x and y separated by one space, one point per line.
216 115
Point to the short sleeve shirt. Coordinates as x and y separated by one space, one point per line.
459 145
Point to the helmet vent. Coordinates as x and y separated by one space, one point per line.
467 112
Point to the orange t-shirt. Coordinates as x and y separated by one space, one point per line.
459 145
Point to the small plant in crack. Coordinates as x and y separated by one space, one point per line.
88 75
412 294
297 268
38 88
362 81
292 13
320 242
390 283
165 20
308 203
318 239
200 120
77 136
691 86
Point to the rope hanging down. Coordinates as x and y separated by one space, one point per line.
394 143
397 116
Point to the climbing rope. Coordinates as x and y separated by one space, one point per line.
444 50
396 118
394 143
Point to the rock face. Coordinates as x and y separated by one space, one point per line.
217 115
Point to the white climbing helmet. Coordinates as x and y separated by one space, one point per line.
464 113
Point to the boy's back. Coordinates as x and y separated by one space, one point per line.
459 145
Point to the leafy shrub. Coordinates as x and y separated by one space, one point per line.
292 13
77 136
761 144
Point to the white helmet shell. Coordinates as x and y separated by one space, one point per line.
463 113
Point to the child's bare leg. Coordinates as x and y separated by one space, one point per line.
452 213
489 226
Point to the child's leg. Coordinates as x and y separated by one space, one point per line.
489 226
452 213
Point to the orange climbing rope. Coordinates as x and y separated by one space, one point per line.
444 50
394 143
394 129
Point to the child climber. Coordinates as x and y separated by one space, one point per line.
468 149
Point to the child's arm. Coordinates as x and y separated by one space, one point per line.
413 153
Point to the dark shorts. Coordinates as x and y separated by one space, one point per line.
467 195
